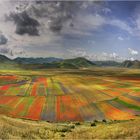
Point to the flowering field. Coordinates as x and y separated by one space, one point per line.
59 98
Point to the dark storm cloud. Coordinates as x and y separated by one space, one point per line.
55 13
25 24
3 40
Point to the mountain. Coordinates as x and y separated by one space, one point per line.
7 63
42 63
67 64
78 62
36 60
107 63
4 59
131 64
52 62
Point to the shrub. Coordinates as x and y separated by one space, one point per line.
95 121
77 123
63 130
62 135
104 120
72 126
92 124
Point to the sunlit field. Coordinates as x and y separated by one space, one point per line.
70 95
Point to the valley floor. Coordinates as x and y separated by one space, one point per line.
99 103
70 95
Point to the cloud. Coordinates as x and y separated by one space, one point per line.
113 55
3 40
25 24
11 51
54 16
90 21
55 13
104 56
78 52
120 38
4 50
121 24
106 10
32 17
132 59
132 52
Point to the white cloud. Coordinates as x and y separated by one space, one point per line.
78 52
113 55
132 51
106 10
120 38
132 59
88 22
104 56
121 24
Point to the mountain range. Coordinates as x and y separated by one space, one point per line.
42 63
52 62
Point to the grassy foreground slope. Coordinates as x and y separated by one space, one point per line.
24 129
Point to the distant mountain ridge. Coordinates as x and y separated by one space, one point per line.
107 63
52 62
39 60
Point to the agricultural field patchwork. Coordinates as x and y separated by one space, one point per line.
69 97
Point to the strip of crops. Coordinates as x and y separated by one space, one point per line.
6 99
66 109
126 107
36 108
111 93
49 109
127 104
113 113
128 100
34 89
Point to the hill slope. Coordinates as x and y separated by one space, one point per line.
131 64
107 63
4 59
78 62
25 129
7 63
36 60
67 63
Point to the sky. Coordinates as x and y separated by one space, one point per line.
96 30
